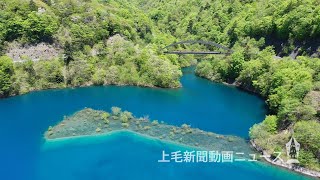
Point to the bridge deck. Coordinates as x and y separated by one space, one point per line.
192 52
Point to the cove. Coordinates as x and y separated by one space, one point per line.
201 103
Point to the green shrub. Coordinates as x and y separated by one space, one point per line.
125 125
124 118
6 73
105 116
155 122
116 110
98 130
185 126
98 78
270 123
307 159
316 86
128 114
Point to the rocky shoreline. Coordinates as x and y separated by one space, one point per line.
283 164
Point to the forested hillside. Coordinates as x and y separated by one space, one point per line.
286 25
275 43
102 43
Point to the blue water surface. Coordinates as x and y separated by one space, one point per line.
201 103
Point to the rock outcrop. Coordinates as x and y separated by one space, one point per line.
41 51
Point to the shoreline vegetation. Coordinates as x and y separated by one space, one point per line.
268 158
291 91
89 122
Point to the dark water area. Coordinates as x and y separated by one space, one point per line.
201 103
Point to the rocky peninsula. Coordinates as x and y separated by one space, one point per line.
89 122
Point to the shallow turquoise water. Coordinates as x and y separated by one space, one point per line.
127 155
201 103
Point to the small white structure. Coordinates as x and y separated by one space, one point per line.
293 148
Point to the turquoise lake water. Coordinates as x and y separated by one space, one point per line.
201 103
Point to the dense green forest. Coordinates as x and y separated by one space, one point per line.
119 42
103 43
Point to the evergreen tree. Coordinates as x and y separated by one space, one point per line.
33 6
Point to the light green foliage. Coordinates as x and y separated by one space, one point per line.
204 69
128 114
79 73
307 134
271 142
105 116
270 123
82 34
286 19
125 125
6 72
250 73
161 72
99 77
113 73
40 27
33 6
106 121
131 66
285 84
48 74
155 122
98 130
316 86
116 111
216 69
124 118
307 159
235 64
312 63
39 75
258 132
120 50
27 23
230 22
265 128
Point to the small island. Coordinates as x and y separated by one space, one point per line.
89 122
